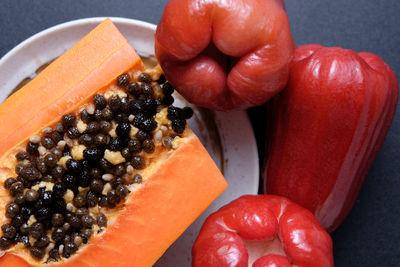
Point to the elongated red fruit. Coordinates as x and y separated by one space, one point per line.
328 126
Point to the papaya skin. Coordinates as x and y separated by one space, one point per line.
179 188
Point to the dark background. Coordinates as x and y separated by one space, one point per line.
370 235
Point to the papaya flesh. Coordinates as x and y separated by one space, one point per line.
178 179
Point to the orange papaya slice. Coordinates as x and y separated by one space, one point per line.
97 168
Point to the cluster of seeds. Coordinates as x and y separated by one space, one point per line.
73 171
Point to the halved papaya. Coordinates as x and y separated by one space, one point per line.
97 168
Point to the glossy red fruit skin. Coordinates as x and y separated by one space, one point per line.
221 241
326 128
272 261
225 54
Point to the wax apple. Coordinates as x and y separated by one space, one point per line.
225 54
327 127
262 230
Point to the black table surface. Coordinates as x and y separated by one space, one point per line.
370 234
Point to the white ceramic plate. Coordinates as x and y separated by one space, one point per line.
228 136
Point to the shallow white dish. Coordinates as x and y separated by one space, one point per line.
228 136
